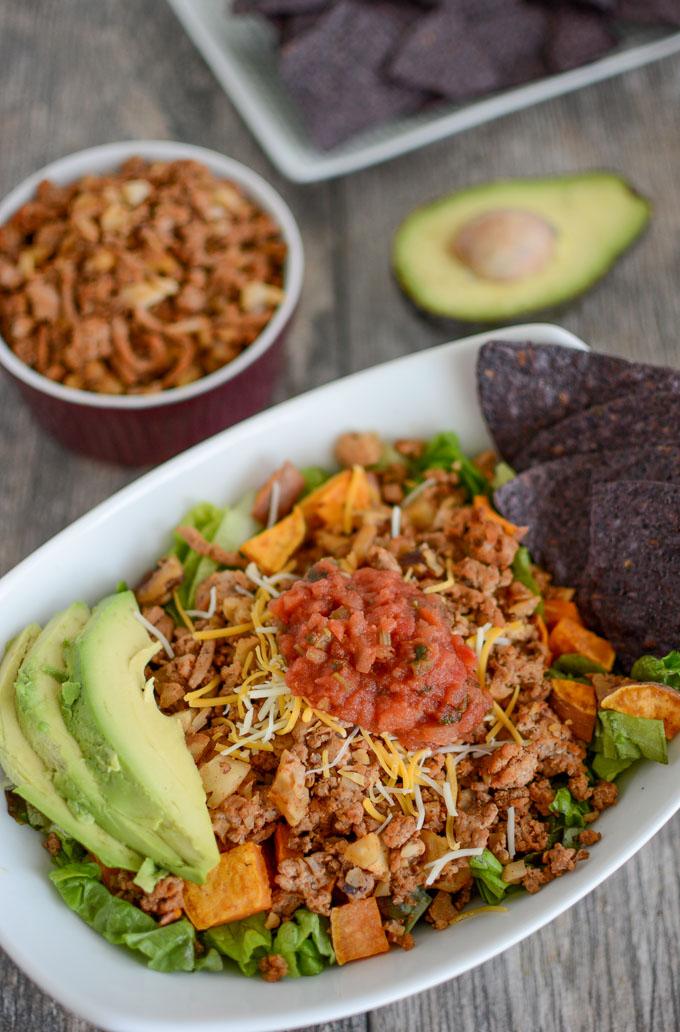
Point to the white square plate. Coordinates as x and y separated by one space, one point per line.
240 51
418 395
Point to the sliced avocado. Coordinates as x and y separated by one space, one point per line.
38 691
137 754
500 250
30 777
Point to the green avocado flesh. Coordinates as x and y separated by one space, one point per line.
38 694
136 753
591 218
29 775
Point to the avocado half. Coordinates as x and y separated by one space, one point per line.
500 250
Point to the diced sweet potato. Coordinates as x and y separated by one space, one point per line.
357 931
282 850
482 503
556 609
576 703
435 847
369 853
236 888
648 700
328 503
569 636
271 549
288 792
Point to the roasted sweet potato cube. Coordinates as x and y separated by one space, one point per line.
576 703
329 503
556 609
237 887
648 700
369 853
357 931
271 549
569 636
282 850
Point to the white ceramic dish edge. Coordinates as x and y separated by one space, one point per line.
277 128
101 983
108 156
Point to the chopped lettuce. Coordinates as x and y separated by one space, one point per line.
170 947
235 526
502 474
409 913
573 667
522 571
303 942
245 942
314 476
569 818
443 451
621 739
488 875
662 671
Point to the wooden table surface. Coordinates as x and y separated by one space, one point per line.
83 72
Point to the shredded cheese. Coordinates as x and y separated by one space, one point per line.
207 614
412 495
433 589
395 522
184 616
373 811
223 632
437 866
507 724
155 633
511 831
274 503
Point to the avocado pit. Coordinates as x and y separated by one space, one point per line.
505 245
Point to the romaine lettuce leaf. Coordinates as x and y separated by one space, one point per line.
521 569
170 947
662 671
245 942
502 474
235 526
488 871
621 739
303 942
314 476
443 451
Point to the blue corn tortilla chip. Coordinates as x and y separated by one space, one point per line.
524 387
553 501
634 565
577 36
334 71
513 38
654 11
634 420
442 56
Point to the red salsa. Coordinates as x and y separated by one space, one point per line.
374 650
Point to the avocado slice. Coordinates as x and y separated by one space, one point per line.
500 250
137 754
38 694
30 777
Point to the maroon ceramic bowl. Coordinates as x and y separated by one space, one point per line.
140 430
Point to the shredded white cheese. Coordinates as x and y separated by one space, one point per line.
274 502
511 831
437 866
411 497
340 754
395 523
253 574
155 633
206 614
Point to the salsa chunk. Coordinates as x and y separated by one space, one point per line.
374 650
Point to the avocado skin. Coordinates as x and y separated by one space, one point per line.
613 214
137 754
38 691
30 777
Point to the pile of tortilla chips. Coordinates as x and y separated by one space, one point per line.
597 442
351 64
